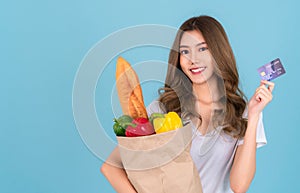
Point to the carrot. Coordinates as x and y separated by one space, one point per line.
129 90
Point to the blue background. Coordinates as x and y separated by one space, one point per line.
42 44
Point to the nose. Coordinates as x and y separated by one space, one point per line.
193 57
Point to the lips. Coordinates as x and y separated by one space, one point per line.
197 70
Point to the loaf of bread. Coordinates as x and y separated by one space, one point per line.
129 90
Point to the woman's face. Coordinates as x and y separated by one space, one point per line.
196 60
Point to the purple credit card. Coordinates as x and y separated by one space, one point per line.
271 70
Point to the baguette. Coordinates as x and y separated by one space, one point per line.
129 90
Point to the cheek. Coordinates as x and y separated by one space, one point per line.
206 59
183 62
209 61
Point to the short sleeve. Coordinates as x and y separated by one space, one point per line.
154 107
260 132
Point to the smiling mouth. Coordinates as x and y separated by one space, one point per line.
197 70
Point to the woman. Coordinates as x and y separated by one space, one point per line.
202 86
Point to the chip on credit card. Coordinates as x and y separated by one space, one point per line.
271 70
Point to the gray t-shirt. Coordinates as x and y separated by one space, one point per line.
213 153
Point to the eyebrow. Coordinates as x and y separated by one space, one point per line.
199 44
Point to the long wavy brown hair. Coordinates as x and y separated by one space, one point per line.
177 94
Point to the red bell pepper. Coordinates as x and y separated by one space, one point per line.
141 127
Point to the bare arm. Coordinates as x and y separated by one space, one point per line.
244 164
113 170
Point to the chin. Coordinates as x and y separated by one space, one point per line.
202 81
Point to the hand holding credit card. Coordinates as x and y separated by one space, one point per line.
271 70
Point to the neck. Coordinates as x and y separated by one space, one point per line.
210 91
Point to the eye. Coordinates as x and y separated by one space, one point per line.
183 52
203 49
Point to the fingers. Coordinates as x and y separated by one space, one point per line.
271 85
263 94
264 89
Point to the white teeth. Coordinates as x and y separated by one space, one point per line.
198 69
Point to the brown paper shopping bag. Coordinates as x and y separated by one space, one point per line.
160 163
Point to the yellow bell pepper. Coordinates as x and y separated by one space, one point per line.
169 122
